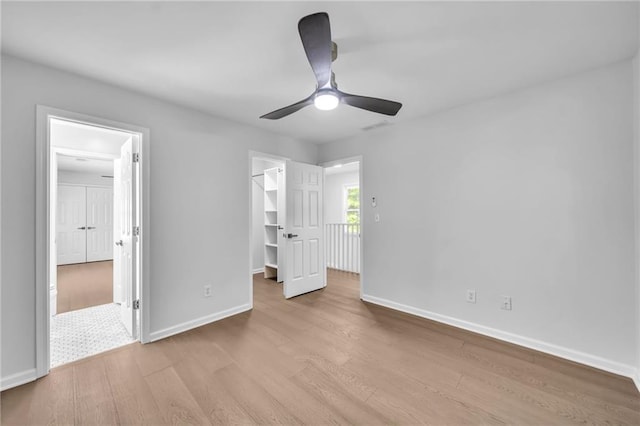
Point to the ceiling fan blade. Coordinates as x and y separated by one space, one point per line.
315 33
283 112
381 106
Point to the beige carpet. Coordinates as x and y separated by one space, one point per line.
84 284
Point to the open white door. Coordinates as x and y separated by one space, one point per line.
118 296
126 240
304 229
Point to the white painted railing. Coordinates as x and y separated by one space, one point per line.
343 246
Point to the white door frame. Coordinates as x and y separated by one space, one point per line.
259 156
43 205
357 158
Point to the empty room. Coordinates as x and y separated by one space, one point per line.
320 212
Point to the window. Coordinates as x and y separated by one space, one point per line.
352 204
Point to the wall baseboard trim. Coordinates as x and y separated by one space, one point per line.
18 379
549 348
198 322
258 271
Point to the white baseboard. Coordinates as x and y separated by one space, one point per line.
185 326
258 271
18 379
549 348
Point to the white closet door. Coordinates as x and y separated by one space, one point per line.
71 225
99 224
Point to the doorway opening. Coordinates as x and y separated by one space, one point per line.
287 224
343 228
90 269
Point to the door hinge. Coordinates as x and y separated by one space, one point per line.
136 304
136 231
135 157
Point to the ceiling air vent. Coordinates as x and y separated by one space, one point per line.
375 126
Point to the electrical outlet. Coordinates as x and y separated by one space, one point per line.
207 291
506 303
376 217
471 296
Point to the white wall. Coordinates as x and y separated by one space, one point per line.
199 201
80 178
529 194
334 195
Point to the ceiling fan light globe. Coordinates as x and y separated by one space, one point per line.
326 101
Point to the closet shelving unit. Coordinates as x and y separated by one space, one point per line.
271 225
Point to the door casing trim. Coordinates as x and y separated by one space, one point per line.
43 159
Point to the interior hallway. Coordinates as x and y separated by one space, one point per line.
323 357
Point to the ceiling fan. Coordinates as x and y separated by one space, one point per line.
315 33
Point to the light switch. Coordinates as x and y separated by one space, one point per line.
377 217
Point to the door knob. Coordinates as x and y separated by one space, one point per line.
292 235
119 243
91 227
82 227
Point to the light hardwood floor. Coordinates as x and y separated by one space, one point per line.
324 357
84 284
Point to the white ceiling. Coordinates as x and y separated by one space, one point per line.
85 165
241 60
342 168
85 138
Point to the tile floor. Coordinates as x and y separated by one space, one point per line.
85 332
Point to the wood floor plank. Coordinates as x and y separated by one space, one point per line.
94 400
262 407
333 394
175 402
296 399
131 393
53 401
219 406
151 358
14 406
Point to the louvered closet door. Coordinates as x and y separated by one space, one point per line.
71 239
99 224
